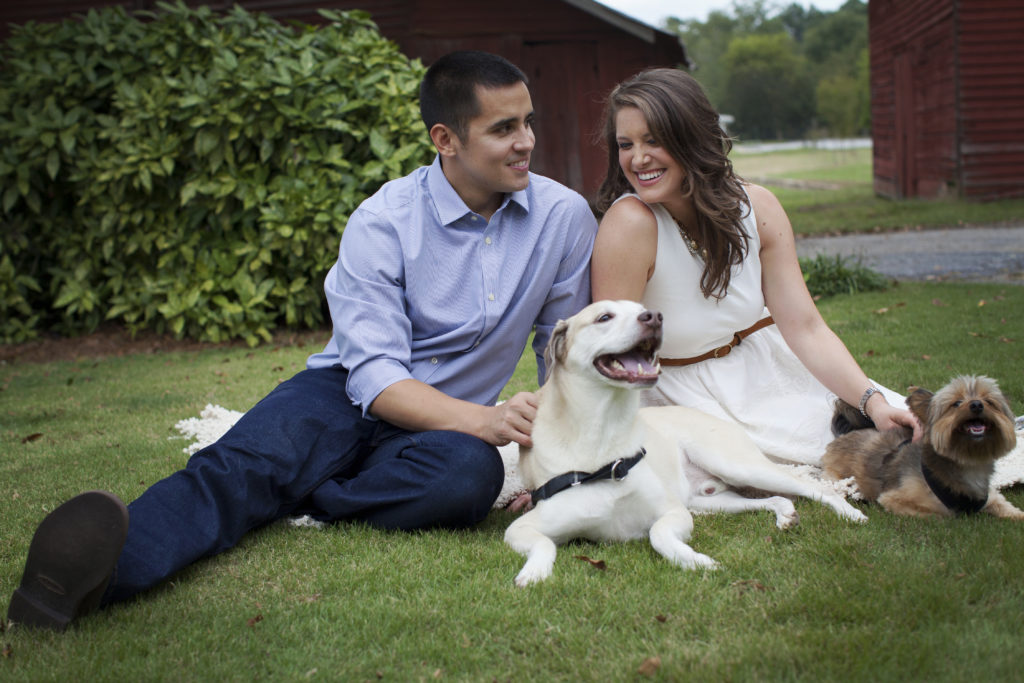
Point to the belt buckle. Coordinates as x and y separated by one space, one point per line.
723 351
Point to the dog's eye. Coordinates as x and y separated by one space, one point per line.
605 318
957 404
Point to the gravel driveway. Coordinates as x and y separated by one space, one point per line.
982 254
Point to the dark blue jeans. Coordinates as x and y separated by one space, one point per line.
304 449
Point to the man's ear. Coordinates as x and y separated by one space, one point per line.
444 139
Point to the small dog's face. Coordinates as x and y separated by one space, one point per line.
967 420
617 339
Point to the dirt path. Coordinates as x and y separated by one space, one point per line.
982 254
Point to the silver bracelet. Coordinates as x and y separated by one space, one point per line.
864 401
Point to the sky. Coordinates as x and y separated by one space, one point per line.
654 11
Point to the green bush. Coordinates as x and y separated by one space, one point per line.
189 172
830 275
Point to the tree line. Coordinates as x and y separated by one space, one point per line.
783 74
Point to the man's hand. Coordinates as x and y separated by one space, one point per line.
521 503
512 421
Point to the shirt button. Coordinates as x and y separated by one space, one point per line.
487 240
433 361
490 297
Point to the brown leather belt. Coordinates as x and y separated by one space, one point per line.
721 351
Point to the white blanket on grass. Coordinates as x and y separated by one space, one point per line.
214 421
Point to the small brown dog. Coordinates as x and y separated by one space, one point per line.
968 425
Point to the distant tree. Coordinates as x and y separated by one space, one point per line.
837 105
706 44
834 42
767 87
825 53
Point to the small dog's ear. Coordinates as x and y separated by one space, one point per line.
919 402
554 352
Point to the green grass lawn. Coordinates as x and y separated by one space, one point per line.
895 599
850 204
892 600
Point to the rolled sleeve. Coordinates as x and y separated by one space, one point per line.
366 295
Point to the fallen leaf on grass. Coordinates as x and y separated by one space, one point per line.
981 303
925 356
939 302
597 564
7 651
1006 340
32 437
255 620
662 618
650 666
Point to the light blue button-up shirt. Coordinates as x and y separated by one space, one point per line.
426 289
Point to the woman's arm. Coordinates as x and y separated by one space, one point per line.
624 251
800 323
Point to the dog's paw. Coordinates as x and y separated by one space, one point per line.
855 515
524 578
693 560
701 561
787 519
532 574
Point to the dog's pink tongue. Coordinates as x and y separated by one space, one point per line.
637 363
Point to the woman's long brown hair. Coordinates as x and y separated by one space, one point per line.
682 121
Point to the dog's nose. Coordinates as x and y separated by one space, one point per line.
650 318
976 407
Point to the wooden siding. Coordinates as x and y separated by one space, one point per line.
947 96
990 49
572 51
912 97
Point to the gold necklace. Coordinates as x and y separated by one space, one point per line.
691 244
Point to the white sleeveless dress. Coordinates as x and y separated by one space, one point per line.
761 384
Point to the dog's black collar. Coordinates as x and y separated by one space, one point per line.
957 502
615 471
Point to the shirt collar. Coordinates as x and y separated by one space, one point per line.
449 204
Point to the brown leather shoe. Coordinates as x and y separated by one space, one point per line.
70 561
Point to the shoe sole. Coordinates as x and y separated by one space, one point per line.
70 561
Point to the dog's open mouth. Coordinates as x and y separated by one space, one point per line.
639 365
975 428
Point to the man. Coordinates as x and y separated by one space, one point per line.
440 279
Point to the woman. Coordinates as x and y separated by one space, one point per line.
682 234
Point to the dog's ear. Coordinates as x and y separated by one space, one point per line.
554 352
919 401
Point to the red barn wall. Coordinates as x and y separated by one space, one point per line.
991 77
947 96
912 97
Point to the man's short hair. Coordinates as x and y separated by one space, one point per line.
448 91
